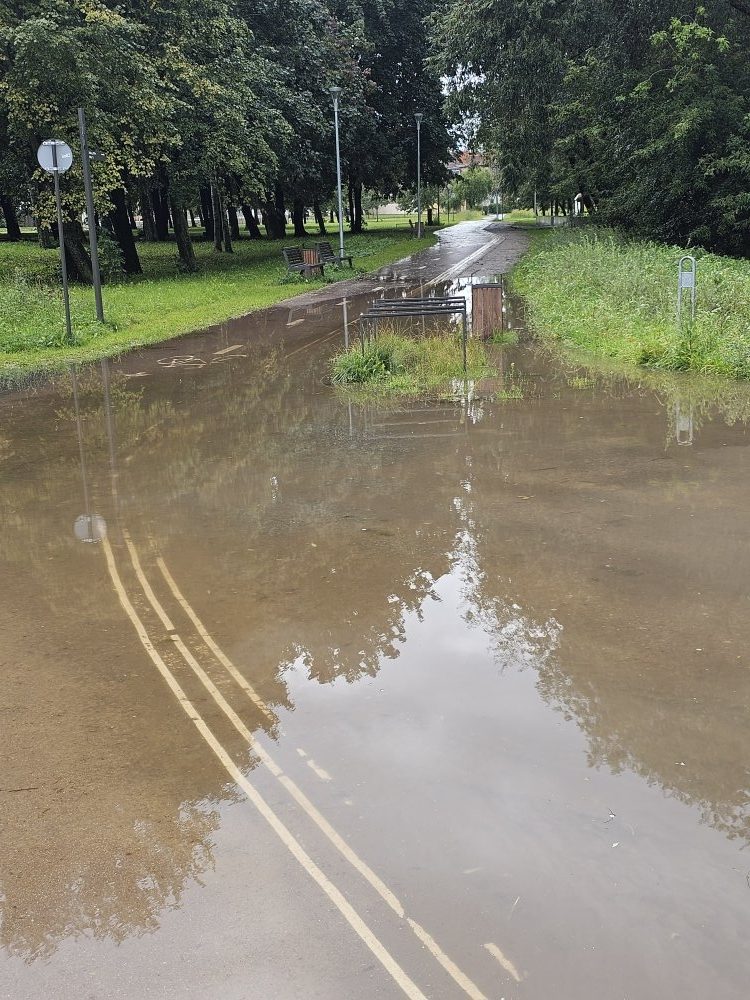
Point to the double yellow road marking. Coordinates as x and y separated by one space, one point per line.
290 842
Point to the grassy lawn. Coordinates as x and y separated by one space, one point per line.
616 298
162 303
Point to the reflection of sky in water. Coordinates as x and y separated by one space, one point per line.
511 638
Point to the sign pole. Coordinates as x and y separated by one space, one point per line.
686 280
61 235
91 214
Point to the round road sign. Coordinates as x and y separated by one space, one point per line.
54 155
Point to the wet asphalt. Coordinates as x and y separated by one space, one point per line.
306 697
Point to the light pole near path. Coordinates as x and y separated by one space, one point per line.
86 157
418 118
335 93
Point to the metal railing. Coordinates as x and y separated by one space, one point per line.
413 308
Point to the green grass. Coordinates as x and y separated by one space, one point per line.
525 217
615 298
399 365
163 302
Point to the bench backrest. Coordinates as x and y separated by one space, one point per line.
293 255
325 249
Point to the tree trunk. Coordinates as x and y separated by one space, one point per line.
319 217
44 236
131 216
161 214
8 209
429 215
234 222
147 214
191 215
280 206
331 217
207 213
251 223
298 217
182 235
76 257
268 213
226 232
274 217
350 196
217 211
588 203
119 223
356 206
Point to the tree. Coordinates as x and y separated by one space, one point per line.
474 186
217 103
62 55
380 142
642 108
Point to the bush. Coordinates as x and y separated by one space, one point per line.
110 257
357 367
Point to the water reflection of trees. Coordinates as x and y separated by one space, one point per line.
623 668
308 545
147 871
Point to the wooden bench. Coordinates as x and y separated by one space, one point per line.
325 250
294 259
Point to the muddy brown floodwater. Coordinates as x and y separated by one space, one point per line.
309 698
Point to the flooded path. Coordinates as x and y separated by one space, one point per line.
304 698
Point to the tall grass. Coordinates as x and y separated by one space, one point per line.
616 298
395 364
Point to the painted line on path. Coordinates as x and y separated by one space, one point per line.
455 268
504 961
450 966
218 653
287 838
299 796
313 343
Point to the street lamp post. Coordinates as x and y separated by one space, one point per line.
335 93
86 157
418 118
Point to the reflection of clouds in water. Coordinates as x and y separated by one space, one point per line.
377 632
621 737
619 743
513 637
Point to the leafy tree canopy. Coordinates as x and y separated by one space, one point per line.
644 108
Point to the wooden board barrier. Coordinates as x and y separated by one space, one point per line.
486 309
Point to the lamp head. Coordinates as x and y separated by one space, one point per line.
418 117
334 92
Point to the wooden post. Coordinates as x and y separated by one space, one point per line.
312 259
487 309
